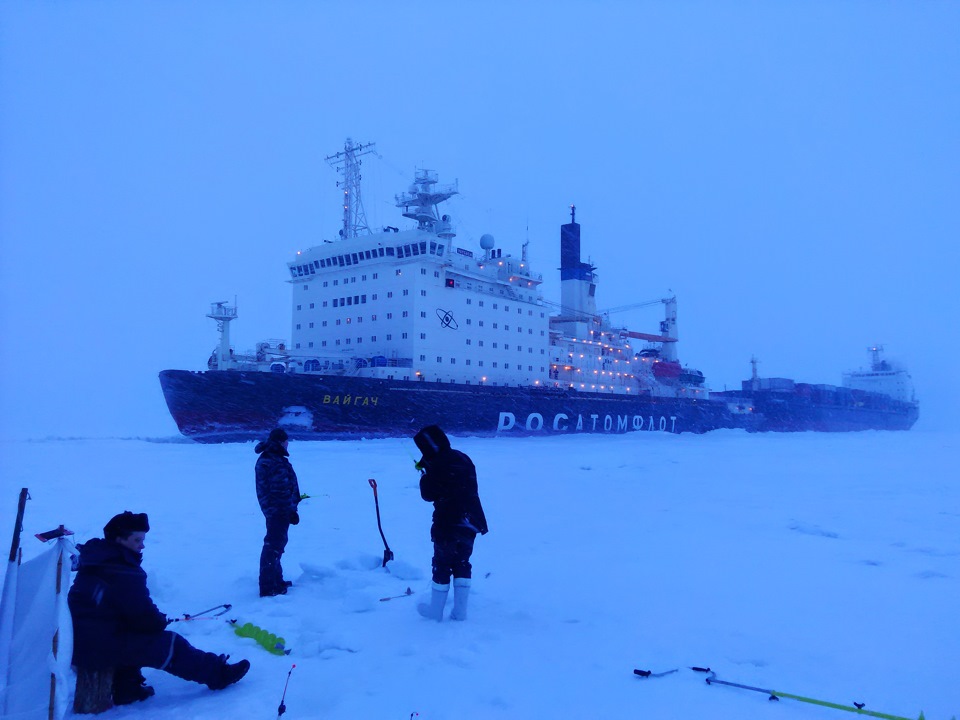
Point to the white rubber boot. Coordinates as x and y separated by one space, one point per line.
438 598
461 593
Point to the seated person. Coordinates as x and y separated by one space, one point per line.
116 625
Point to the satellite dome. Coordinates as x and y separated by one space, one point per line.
486 241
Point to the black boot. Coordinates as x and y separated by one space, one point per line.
129 686
229 673
212 670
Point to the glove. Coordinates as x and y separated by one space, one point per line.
294 518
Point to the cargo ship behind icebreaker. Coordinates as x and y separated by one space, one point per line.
396 329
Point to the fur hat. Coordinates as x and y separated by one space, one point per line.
431 440
278 435
120 526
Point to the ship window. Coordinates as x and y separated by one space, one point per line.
403 336
338 342
415 248
323 343
311 324
423 247
480 363
293 272
363 278
422 314
299 306
336 302
481 303
423 293
367 255
298 326
380 253
359 340
363 299
480 322
433 248
356 299
389 316
423 336
495 346
399 272
389 336
506 328
373 338
506 308
298 346
323 324
323 263
423 358
453 361
469 341
347 341
506 346
390 294
439 249
495 326
349 300
390 251
406 292
313 270
373 318
469 321
494 306
506 366
449 282
468 362
423 271
324 304
405 314
359 318
349 320
338 321
480 343
311 306
495 365
439 359
310 344
375 276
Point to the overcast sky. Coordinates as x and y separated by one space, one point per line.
791 171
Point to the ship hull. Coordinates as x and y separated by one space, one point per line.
777 412
237 406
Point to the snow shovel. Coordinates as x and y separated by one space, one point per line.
387 552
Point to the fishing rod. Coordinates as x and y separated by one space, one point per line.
387 552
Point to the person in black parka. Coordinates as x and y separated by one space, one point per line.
279 495
116 624
449 480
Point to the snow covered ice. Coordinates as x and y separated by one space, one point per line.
821 565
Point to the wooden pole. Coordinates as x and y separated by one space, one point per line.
18 527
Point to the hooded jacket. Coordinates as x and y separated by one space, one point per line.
277 488
108 600
449 481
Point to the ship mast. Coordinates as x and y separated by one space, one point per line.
347 162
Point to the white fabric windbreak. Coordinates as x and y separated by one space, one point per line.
31 614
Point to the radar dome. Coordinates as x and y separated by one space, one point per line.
486 241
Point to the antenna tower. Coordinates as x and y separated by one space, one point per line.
347 163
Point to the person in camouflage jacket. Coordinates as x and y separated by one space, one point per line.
279 495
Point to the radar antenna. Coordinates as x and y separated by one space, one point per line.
347 162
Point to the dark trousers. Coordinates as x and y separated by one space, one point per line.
167 651
274 543
451 556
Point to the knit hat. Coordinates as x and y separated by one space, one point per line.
120 526
278 435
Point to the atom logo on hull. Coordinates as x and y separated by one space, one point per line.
562 422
